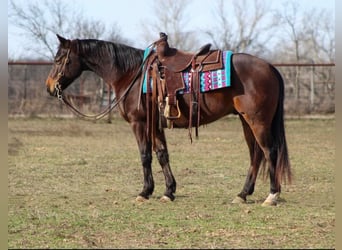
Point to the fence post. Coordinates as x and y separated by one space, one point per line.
23 100
312 87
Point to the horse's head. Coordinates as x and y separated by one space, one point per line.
66 67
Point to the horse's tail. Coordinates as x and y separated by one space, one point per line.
283 167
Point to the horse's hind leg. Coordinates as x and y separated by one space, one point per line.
145 150
266 142
163 158
256 156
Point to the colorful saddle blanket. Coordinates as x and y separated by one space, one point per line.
209 80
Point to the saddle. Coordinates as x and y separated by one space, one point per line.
176 60
165 68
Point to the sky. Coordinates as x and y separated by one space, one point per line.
129 14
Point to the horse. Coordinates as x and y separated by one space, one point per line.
256 96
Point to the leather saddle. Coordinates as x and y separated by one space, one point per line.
173 62
166 67
176 60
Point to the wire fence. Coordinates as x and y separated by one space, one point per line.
309 89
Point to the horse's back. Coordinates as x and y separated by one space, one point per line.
248 67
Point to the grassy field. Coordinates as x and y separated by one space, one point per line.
73 183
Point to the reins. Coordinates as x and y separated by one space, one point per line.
110 106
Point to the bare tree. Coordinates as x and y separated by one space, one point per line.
170 17
244 30
39 22
289 21
319 38
309 37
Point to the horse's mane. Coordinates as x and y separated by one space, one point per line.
122 56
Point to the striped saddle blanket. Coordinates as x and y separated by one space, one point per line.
209 80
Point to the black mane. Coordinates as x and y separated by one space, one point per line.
122 56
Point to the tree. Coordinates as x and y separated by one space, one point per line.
309 35
170 18
246 29
40 23
319 36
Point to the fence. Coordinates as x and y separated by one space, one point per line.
309 89
27 93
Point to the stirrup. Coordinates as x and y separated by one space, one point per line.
168 108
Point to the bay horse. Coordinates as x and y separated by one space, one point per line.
256 95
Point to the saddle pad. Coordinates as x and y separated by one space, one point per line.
209 80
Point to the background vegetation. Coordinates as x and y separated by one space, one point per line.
291 33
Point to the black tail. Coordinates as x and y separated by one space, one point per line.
283 166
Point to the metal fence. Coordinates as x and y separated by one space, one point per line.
27 93
309 89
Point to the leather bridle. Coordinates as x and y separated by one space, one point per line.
60 74
111 105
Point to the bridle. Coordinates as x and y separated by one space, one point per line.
111 105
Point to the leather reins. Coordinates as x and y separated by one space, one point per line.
110 106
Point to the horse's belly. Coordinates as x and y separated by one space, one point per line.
213 106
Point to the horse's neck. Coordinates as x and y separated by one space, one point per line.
109 62
106 70
111 73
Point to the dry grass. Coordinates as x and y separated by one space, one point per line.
72 184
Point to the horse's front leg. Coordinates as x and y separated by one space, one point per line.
163 158
145 150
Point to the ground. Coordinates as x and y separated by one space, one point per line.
73 183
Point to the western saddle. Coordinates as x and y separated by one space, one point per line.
165 67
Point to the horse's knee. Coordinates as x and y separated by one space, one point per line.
146 159
163 157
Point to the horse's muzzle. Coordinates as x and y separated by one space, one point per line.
52 93
51 86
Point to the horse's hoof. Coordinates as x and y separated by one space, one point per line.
271 200
165 199
140 199
238 200
269 203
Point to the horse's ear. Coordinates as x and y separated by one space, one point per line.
65 43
